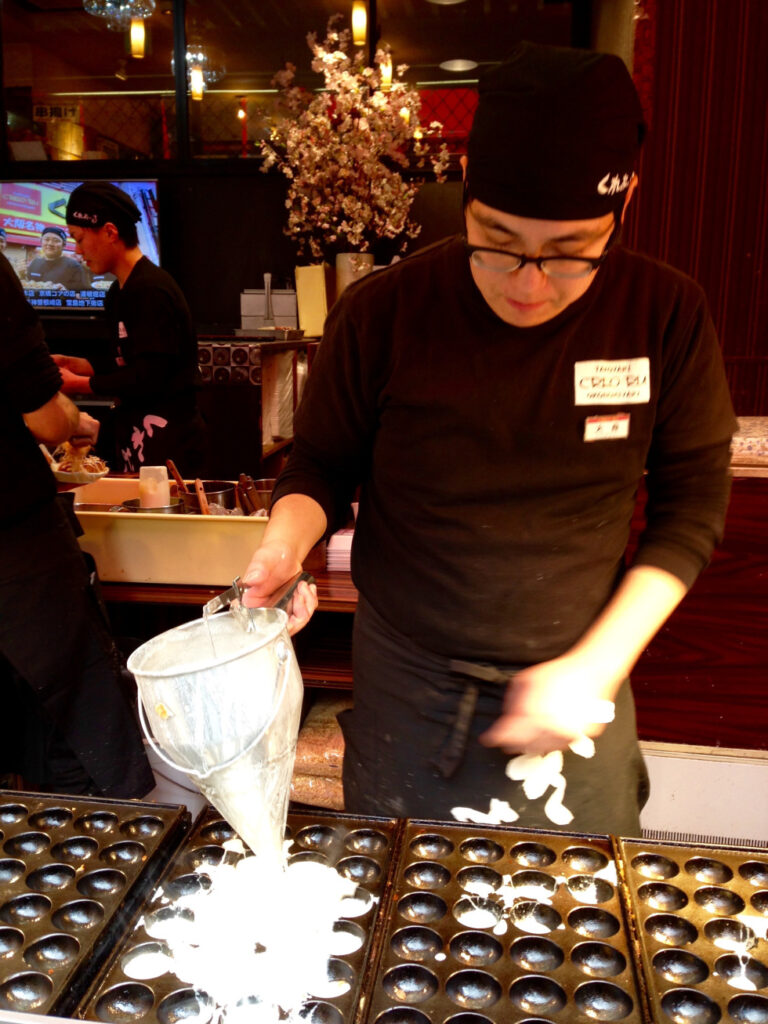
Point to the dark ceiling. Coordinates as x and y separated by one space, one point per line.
53 45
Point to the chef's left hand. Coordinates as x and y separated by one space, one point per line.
550 705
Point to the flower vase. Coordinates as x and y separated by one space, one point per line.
350 267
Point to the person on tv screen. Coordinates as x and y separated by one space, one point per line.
152 363
63 273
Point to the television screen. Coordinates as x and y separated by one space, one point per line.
54 278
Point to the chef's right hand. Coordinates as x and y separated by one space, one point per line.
272 566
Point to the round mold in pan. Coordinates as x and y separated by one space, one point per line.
533 855
725 933
101 883
706 869
410 1015
588 889
749 1009
680 966
479 880
416 942
52 952
716 900
427 874
145 826
124 1003
479 850
422 907
410 983
26 991
12 814
536 953
25 909
50 877
755 872
477 912
671 930
27 844
655 866
431 847
97 822
360 869
593 922
75 849
11 870
473 989
603 1001
78 916
584 859
51 817
739 970
537 994
475 949
662 896
690 1006
127 851
598 959
367 841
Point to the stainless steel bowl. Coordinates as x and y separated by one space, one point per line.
221 492
176 507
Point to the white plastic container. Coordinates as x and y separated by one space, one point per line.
144 547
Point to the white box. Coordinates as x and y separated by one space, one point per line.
146 547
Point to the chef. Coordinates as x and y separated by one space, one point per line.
63 272
73 729
498 398
151 366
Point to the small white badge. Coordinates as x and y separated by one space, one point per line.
606 428
612 381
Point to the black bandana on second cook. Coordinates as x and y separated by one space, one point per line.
95 203
556 135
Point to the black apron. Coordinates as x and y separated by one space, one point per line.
411 747
56 646
151 435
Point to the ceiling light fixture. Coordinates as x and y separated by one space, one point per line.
458 65
446 3
201 70
119 13
359 22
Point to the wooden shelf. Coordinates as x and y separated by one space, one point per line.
335 591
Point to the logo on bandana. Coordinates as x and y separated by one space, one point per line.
613 184
92 218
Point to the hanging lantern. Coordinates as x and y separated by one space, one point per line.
359 22
137 37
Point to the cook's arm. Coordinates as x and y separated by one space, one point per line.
76 374
549 705
296 523
54 422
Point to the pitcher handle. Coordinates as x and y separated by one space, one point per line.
285 660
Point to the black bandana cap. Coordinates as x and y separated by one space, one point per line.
556 134
95 203
54 231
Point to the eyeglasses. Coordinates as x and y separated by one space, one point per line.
502 261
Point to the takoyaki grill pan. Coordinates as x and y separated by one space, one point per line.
701 915
361 849
72 870
494 926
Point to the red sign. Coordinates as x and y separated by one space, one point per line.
20 197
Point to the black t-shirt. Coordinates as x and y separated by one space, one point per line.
28 379
153 344
152 368
63 270
499 465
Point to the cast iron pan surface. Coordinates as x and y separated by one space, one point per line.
72 871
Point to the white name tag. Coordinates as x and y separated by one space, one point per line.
612 381
606 428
